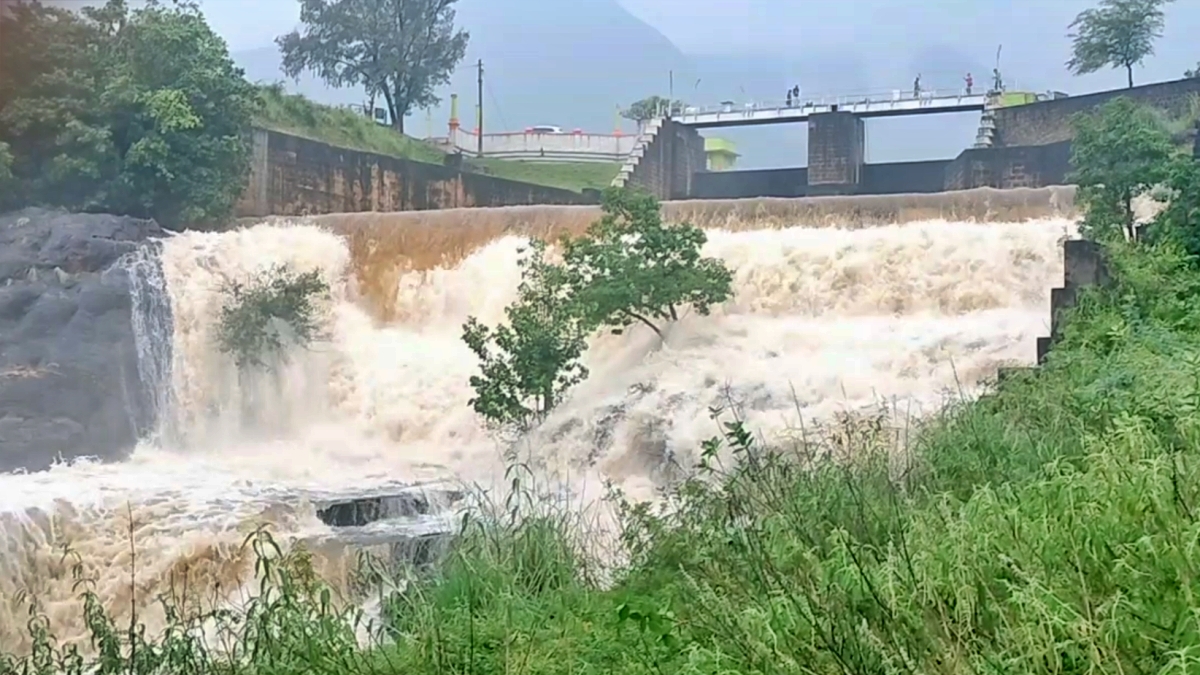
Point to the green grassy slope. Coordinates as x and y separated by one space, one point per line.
568 175
297 115
342 127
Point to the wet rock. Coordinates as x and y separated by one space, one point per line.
69 382
410 544
404 503
408 527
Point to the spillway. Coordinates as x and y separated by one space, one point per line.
838 305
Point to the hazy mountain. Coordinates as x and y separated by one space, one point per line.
570 66
573 68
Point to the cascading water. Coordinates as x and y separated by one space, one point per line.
153 326
824 318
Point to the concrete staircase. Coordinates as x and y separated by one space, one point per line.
644 140
986 136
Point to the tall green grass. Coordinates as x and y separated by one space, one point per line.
1049 527
297 115
294 114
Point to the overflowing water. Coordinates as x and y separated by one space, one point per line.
824 318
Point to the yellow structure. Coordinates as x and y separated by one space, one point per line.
1011 98
721 154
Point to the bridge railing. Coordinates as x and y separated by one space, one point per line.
809 102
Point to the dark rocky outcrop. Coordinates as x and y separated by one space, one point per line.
69 382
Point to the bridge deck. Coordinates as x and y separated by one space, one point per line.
895 103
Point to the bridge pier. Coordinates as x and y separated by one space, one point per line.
836 153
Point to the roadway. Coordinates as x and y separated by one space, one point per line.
892 104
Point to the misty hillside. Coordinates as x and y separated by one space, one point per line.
569 67
572 67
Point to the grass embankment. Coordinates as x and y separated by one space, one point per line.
297 115
567 175
1048 528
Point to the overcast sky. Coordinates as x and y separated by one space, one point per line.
1033 32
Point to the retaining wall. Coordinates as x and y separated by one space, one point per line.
1083 266
1045 122
293 176
668 161
1010 167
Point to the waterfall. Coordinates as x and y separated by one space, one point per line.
153 328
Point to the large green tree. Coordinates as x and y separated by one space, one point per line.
1120 151
398 49
140 112
632 267
1117 34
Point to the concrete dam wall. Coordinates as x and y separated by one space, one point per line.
1032 149
293 176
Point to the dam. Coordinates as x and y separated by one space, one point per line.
840 304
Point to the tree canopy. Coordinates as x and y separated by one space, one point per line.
398 49
628 268
651 107
265 317
1117 34
631 267
138 112
1121 151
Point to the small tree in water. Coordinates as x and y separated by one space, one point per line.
628 268
631 267
528 365
262 319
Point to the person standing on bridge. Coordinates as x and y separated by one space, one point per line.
970 83
789 98
917 87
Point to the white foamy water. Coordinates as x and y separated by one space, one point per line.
842 318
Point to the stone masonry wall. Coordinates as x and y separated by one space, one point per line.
1010 167
293 176
1083 266
1047 122
671 159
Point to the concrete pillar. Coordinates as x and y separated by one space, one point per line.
836 150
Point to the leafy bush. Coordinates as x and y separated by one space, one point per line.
262 319
629 267
528 365
1121 152
632 267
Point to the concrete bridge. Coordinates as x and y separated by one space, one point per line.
880 104
836 133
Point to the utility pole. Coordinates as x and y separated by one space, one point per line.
479 122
